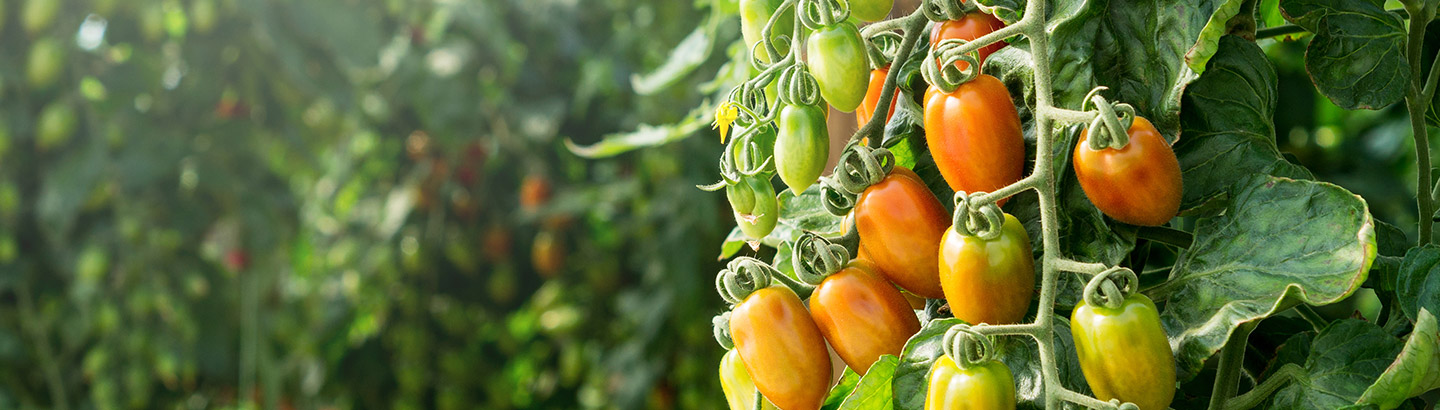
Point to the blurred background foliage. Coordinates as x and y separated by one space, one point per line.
348 204
370 203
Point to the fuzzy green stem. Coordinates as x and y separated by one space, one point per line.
1417 105
913 24
1263 391
1278 31
1232 360
1310 315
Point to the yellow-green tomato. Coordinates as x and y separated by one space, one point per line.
1124 352
803 146
983 386
739 390
836 57
754 14
988 281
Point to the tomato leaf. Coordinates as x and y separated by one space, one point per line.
1417 286
873 391
1357 58
848 380
1218 26
684 59
1415 371
647 135
1226 122
1344 358
1234 273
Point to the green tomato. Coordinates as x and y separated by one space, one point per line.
741 197
802 147
55 126
754 14
987 385
761 218
836 57
1124 352
46 61
735 380
871 10
38 15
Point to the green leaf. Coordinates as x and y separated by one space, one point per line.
684 59
1415 371
1344 358
1020 354
1227 124
1235 273
647 135
842 389
1357 58
1218 26
1417 286
873 392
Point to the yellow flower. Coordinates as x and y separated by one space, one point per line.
725 114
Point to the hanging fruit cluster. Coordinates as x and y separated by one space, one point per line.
849 292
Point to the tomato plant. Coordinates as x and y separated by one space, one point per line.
1211 221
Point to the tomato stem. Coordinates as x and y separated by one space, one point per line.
1232 359
1257 395
1417 103
1310 315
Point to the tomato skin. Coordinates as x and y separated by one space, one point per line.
871 10
988 385
862 315
735 380
760 219
802 146
872 97
988 281
754 14
1145 373
901 223
974 135
1138 184
972 26
782 348
836 57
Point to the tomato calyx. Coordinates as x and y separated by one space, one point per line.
743 276
947 75
976 217
967 347
1110 128
720 324
1110 288
814 258
859 167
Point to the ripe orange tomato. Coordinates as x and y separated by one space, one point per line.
1138 184
972 26
782 348
900 223
872 97
974 135
862 315
988 281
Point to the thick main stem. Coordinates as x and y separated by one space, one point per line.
1417 105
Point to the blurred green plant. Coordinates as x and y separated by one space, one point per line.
347 204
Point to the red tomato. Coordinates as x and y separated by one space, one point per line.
972 26
1138 184
974 135
900 223
862 315
782 348
872 97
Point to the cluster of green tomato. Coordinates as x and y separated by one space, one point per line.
910 248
